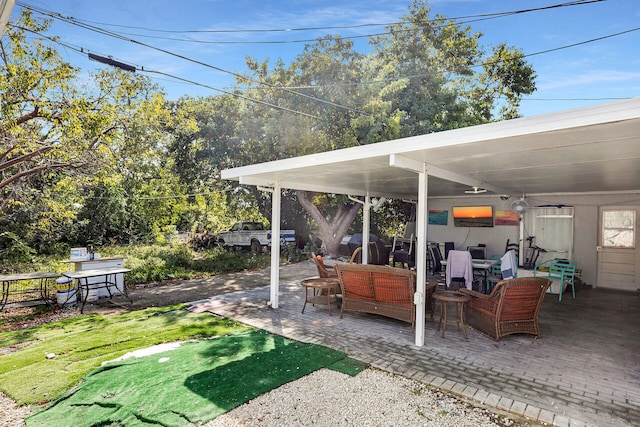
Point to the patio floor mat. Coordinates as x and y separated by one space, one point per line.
189 384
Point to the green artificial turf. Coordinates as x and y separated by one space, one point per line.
349 366
189 385
82 343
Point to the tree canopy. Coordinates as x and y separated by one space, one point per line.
108 159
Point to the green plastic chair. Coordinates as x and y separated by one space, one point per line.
559 269
495 272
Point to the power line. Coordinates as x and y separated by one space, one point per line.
579 99
128 67
583 42
237 95
356 83
460 19
195 61
291 89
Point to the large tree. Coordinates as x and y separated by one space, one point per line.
79 157
423 75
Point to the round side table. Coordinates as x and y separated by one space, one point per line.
323 291
442 298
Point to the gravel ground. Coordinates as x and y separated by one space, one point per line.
328 398
372 398
10 415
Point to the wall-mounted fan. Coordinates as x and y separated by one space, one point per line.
520 206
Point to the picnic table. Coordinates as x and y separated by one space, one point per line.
25 292
99 278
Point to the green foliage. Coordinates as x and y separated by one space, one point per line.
153 263
13 248
109 160
82 159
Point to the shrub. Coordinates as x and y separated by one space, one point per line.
153 263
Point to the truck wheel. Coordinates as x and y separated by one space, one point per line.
256 247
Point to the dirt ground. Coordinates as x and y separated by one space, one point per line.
163 293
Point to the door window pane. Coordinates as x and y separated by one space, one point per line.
618 228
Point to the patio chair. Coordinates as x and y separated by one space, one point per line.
507 268
459 268
511 308
478 252
403 247
448 246
356 256
510 246
323 271
436 258
561 270
494 273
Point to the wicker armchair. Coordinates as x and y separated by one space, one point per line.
511 308
323 271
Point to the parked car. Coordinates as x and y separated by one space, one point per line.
251 235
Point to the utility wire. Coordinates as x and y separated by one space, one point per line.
583 42
237 95
336 84
469 18
73 21
80 50
195 61
343 27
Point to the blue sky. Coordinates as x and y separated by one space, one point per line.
587 74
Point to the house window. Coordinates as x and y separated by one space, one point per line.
553 231
618 228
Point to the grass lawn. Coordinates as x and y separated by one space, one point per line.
61 364
82 343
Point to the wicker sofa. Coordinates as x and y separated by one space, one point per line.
377 289
511 308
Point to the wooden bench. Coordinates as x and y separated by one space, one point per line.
26 292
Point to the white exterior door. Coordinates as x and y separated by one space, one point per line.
618 254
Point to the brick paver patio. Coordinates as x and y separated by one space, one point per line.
584 370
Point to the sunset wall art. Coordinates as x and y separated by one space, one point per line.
473 216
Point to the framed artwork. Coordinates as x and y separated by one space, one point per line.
473 216
507 217
438 217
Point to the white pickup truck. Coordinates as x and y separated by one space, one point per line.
251 235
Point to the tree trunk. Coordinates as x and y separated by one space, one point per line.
332 232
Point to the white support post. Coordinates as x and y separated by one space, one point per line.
521 247
6 7
421 257
366 225
275 244
366 228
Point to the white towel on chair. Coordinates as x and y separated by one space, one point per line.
460 264
508 265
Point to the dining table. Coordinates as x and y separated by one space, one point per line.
481 265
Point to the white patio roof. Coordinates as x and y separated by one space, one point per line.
593 149
586 150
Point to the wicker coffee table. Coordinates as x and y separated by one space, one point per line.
442 298
323 291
